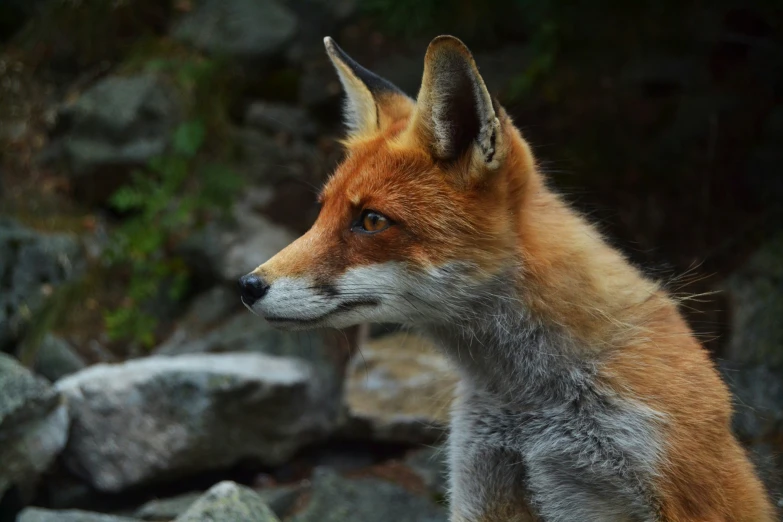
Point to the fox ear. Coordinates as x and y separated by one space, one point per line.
371 102
454 111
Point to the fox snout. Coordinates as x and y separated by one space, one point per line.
252 288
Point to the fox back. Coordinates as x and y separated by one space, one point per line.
584 396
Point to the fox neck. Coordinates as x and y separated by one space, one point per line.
538 331
500 346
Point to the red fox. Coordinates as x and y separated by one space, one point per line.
584 396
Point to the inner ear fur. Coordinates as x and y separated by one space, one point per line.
455 116
372 103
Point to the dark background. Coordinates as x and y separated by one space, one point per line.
154 135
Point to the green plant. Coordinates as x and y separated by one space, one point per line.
167 201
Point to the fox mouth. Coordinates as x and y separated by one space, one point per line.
345 306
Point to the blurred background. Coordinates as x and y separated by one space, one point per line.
151 151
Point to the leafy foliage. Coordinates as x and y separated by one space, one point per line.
166 202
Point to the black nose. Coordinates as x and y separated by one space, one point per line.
252 288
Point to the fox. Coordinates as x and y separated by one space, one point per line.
583 394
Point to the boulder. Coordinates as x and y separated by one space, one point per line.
33 426
267 161
755 293
229 502
159 417
278 118
279 499
32 265
335 499
431 465
243 29
70 515
56 358
119 122
399 389
226 251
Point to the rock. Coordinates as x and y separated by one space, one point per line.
56 359
755 293
161 417
226 251
431 465
280 118
266 161
33 426
758 405
399 390
119 122
319 85
335 499
279 499
166 508
229 502
758 418
71 515
32 265
244 29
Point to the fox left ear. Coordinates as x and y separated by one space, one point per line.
371 102
455 114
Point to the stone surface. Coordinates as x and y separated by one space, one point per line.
56 358
335 499
32 265
279 500
33 426
70 515
227 251
161 417
244 29
166 508
431 465
755 294
399 389
120 121
277 117
229 502
268 160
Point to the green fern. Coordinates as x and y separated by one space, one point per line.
164 203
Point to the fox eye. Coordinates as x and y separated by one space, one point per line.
371 222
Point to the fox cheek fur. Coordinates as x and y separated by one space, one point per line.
584 395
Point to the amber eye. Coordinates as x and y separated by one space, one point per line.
371 221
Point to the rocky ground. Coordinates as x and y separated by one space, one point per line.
222 418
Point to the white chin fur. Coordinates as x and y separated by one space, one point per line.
369 293
382 292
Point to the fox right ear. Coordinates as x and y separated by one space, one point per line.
371 102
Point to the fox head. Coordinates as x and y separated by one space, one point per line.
421 214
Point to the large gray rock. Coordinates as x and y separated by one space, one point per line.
69 515
162 417
32 265
245 29
755 294
431 465
280 118
227 251
56 358
279 499
335 499
266 161
399 389
33 426
229 502
120 122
